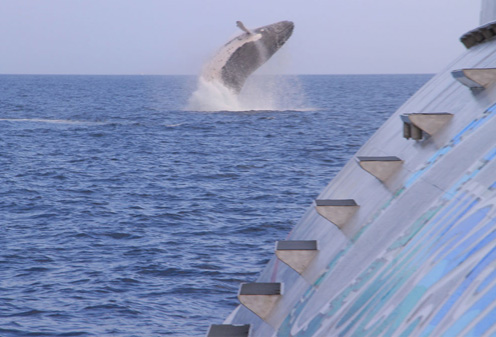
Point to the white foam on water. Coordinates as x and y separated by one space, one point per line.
213 96
260 93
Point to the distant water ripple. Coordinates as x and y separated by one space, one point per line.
122 214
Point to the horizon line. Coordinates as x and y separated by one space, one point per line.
196 75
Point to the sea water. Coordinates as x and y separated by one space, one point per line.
136 205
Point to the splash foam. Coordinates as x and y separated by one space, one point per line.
261 93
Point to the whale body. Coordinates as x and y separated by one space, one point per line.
244 54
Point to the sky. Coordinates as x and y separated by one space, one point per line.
173 37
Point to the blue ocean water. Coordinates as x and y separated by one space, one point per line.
122 213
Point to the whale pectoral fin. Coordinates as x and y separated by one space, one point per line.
242 27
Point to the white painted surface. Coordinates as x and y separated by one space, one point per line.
488 11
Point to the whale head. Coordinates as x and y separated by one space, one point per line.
275 35
244 54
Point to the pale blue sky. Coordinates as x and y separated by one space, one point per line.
179 36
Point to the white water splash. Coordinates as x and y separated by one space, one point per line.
213 96
259 93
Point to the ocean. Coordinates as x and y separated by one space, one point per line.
136 205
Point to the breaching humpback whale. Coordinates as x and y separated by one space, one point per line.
244 54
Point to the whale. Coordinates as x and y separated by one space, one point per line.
241 56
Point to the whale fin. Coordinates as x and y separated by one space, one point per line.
242 27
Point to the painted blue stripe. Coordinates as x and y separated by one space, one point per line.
469 316
484 325
471 277
487 281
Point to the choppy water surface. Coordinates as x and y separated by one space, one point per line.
123 214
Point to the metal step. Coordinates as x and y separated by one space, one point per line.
337 211
415 124
297 254
475 78
380 167
227 330
260 298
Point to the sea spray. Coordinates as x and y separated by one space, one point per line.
274 92
261 93
213 96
